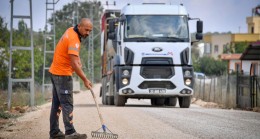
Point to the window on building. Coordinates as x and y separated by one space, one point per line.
207 48
225 49
216 49
252 30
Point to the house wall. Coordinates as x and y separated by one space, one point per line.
222 40
232 64
245 37
219 41
253 24
246 64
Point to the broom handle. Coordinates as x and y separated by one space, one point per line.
100 116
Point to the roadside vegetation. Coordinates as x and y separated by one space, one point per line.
208 65
21 67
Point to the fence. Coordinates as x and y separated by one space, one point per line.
221 90
248 90
230 91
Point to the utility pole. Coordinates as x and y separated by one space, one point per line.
90 69
30 48
76 13
91 49
75 16
49 42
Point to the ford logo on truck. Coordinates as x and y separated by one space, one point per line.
157 49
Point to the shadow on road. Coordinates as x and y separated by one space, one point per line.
127 105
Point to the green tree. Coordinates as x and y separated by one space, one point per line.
38 56
21 59
240 47
64 19
4 56
195 58
210 66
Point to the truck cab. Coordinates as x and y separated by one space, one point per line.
149 56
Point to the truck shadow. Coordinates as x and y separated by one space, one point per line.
127 106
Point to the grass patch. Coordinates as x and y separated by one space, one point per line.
21 98
7 115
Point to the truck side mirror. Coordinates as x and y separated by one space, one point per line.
122 19
199 36
111 29
199 26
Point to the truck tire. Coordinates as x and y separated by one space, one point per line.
104 98
110 97
153 101
184 102
118 100
157 101
171 101
110 100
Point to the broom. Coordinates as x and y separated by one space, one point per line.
103 132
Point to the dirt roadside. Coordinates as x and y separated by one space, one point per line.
35 124
122 120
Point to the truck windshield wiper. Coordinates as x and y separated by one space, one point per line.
173 39
143 39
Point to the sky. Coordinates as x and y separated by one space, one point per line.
217 15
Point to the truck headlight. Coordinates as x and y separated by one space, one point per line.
125 81
187 81
125 72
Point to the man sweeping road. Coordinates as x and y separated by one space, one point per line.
66 60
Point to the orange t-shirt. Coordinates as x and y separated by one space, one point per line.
68 44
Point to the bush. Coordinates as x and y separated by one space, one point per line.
210 66
6 115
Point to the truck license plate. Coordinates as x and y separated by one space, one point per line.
157 91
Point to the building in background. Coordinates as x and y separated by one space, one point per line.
217 44
233 62
253 22
250 59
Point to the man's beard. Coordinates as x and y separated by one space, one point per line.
84 37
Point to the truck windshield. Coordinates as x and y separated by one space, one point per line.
152 28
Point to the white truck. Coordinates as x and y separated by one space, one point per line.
146 54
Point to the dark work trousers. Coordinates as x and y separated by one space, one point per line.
62 100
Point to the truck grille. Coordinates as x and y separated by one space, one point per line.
157 84
154 68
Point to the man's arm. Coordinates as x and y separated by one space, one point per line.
76 65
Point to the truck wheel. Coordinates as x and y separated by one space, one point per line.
171 101
184 102
157 101
118 100
110 100
153 101
104 99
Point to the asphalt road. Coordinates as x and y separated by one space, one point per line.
139 120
